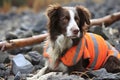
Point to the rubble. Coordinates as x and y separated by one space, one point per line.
103 74
34 57
20 64
27 24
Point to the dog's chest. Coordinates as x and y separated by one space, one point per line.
92 47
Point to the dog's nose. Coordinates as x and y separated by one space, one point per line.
75 31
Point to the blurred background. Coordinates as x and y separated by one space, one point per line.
35 5
27 17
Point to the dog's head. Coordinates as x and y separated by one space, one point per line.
69 21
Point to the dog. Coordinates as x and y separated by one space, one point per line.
69 47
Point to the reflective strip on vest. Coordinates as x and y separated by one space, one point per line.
115 52
77 52
95 50
110 47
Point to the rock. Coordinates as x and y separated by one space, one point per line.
24 27
99 30
19 32
22 50
23 33
3 17
2 66
117 46
15 51
27 34
10 36
106 33
41 24
35 58
4 57
38 48
11 77
103 74
4 71
21 64
18 76
26 49
59 76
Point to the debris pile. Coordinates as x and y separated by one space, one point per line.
18 63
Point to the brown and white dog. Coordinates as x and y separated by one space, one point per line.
66 27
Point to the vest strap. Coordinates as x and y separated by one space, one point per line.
110 47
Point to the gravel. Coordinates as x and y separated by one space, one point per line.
27 24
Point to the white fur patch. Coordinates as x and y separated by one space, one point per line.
57 47
72 23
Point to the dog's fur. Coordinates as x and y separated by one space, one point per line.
66 27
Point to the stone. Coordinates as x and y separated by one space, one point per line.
99 30
10 36
103 74
28 34
35 57
106 33
2 66
117 46
24 27
15 51
3 17
22 50
4 71
38 48
25 49
11 77
21 64
4 57
41 24
18 76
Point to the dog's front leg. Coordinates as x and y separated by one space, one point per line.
40 73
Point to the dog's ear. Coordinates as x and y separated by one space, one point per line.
84 15
53 13
53 10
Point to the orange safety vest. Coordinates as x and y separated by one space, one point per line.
91 46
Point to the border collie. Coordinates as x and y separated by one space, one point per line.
67 27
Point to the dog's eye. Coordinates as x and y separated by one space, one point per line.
76 19
65 19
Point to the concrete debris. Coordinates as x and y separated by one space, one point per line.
20 64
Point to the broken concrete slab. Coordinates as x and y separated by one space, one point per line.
20 64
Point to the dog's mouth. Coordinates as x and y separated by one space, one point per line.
73 36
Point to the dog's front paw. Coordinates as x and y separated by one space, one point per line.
32 77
